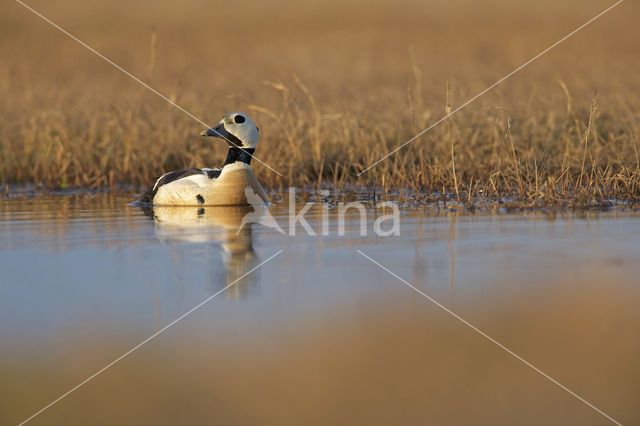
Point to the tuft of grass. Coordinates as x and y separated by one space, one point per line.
333 90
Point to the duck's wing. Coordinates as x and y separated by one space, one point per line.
167 178
212 173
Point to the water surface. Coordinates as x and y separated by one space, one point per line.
319 334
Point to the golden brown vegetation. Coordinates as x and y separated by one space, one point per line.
333 86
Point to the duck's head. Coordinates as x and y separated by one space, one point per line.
237 128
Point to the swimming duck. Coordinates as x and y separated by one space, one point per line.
227 185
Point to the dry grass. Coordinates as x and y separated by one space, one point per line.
333 86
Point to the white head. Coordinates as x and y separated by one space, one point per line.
237 128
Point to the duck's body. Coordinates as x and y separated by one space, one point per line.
221 186
206 187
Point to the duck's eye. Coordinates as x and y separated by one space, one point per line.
238 119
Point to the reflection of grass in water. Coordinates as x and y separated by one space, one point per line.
333 89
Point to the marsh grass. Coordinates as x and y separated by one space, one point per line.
332 91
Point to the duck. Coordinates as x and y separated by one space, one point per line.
223 186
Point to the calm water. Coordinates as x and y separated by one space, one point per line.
319 334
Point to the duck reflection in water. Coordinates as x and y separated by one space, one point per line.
215 226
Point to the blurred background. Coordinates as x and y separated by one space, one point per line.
333 85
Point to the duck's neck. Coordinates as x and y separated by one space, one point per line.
239 154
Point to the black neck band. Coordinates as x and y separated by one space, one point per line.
239 154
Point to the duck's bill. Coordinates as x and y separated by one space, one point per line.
217 132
